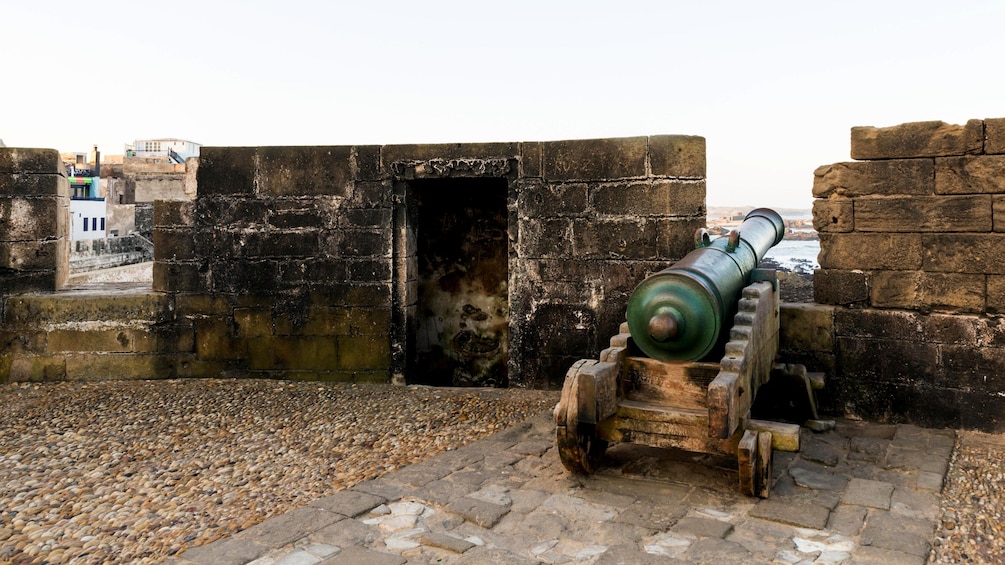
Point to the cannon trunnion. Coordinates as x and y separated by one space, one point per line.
656 384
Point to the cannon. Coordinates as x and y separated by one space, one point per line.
680 375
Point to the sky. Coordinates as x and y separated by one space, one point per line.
774 87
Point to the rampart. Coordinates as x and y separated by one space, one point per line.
488 264
912 259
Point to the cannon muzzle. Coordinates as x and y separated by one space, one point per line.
678 313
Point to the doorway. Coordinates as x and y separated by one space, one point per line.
462 258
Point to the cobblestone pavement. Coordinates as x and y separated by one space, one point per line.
860 494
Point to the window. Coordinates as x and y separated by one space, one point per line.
102 224
94 224
85 224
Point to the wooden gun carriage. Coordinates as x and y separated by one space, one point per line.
655 385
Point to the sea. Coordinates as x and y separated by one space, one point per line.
799 256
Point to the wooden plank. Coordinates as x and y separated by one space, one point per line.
650 419
676 383
603 390
608 432
762 486
785 437
746 455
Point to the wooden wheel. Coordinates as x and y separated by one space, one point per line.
581 450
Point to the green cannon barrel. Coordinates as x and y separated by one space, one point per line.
677 313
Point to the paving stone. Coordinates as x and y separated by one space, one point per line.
898 533
525 500
472 478
879 556
493 556
631 555
500 460
485 514
608 499
535 447
867 449
542 525
445 541
915 504
936 465
458 458
802 515
654 515
703 527
615 533
820 452
349 503
346 533
816 480
382 487
361 556
287 528
930 481
440 492
298 557
716 551
864 492
420 474
847 520
228 551
761 536
899 457
575 508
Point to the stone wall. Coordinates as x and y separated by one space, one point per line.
34 221
105 253
913 261
308 262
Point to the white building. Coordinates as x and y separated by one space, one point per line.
87 219
176 149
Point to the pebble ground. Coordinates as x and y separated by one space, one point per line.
972 528
132 472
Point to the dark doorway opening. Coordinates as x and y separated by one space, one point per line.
462 260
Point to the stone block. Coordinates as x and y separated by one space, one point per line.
994 136
799 514
835 215
996 294
317 353
650 198
973 368
349 503
243 276
30 255
199 305
314 321
545 238
365 243
981 174
866 251
964 253
188 366
538 200
868 493
30 160
840 287
478 512
878 324
892 361
875 178
364 218
226 551
674 239
304 171
806 327
924 214
118 366
60 308
217 340
174 245
595 159
368 352
703 527
174 213
289 527
30 218
678 156
31 184
365 162
917 290
369 271
630 238
531 153
31 281
253 322
917 139
30 368
114 341
428 151
227 171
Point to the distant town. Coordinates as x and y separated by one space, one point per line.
798 222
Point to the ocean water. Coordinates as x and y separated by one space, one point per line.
797 256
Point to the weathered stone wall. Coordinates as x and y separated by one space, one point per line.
105 253
34 221
912 261
303 262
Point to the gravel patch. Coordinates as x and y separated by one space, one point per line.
133 472
973 503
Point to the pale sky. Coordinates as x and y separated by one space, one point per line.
774 87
